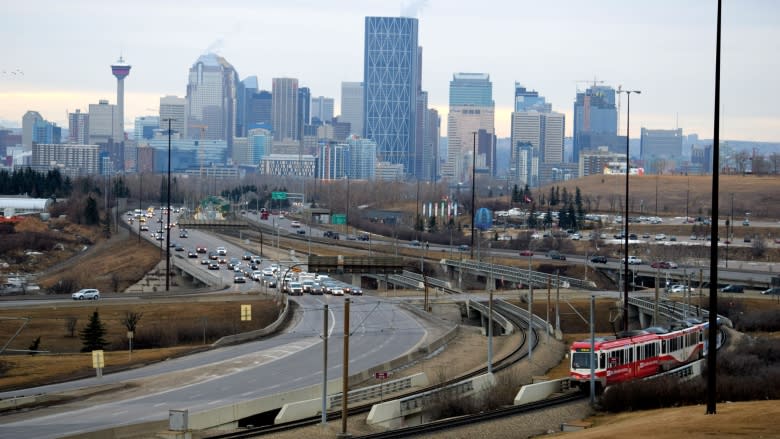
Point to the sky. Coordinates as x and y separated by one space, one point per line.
57 55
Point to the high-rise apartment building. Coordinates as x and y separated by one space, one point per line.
173 108
471 109
304 107
73 160
211 99
322 109
285 113
595 120
78 127
352 106
391 79
362 158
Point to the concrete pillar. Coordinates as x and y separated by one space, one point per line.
356 279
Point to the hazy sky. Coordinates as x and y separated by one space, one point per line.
665 48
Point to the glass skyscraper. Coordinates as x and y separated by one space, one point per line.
391 79
471 109
595 120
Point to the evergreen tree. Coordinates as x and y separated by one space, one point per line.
565 197
563 218
515 194
35 345
419 224
532 221
548 219
92 336
571 216
91 214
432 224
578 205
552 200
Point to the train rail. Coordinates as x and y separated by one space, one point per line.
513 357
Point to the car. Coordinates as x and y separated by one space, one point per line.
183 235
355 291
633 236
191 254
554 254
144 228
337 291
204 262
660 264
598 259
463 247
86 294
213 256
256 275
296 289
364 237
328 234
732 289
747 239
679 288
221 251
576 236
247 256
694 237
213 266
645 235
239 279
773 291
222 260
300 232
201 249
526 253
672 238
415 243
660 237
234 262
746 223
632 260
179 248
295 224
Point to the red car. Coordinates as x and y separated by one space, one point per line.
526 253
201 249
660 264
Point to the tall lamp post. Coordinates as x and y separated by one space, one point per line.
168 225
473 189
625 233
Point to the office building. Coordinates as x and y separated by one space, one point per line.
288 165
260 141
304 108
104 124
120 70
593 162
661 146
544 132
46 132
28 123
430 156
529 100
333 161
322 109
78 127
188 153
259 113
173 108
352 106
211 99
285 114
391 79
595 121
145 126
471 109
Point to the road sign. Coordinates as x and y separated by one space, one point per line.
381 375
278 195
338 218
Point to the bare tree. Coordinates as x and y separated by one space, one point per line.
131 319
758 247
70 326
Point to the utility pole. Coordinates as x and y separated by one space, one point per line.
324 419
473 190
345 372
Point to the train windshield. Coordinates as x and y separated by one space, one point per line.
581 360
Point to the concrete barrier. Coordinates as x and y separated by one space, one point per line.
262 332
538 391
393 414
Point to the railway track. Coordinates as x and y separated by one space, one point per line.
516 355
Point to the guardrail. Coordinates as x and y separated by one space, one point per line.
519 275
506 324
673 310
378 390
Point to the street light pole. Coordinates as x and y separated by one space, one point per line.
473 189
168 228
628 172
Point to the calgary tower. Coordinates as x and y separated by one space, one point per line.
120 70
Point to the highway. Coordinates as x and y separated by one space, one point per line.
380 332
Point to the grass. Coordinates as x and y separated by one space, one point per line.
64 359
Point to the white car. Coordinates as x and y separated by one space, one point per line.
295 224
679 289
221 251
660 237
336 291
86 294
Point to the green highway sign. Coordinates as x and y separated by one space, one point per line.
278 195
338 218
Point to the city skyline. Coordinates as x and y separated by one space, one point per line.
665 49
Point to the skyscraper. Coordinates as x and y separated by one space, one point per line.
28 126
526 100
304 107
322 109
661 149
78 127
391 78
120 70
285 113
471 109
173 107
104 127
352 106
145 126
595 120
211 99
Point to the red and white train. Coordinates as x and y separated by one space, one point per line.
637 354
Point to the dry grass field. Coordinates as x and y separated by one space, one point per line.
187 320
754 194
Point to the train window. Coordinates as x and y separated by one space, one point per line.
581 360
639 353
663 346
602 361
630 355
